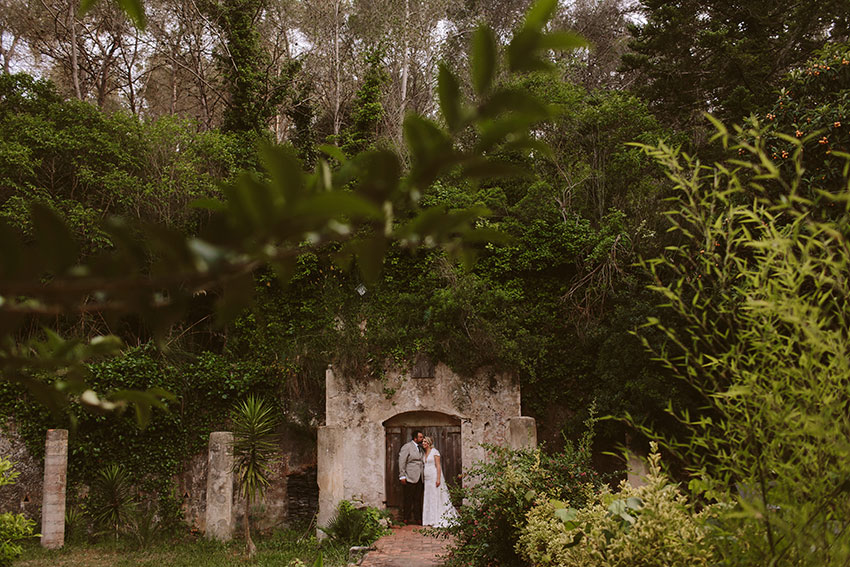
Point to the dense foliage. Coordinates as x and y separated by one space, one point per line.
355 525
760 282
499 492
509 229
725 56
14 528
652 525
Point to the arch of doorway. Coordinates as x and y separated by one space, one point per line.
444 429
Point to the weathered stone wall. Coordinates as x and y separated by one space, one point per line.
25 495
352 445
297 454
287 502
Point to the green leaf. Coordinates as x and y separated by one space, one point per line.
562 41
489 168
56 244
487 235
379 174
85 6
208 203
483 59
286 172
333 152
284 269
237 294
515 100
135 10
566 514
540 13
370 257
431 150
11 253
448 91
336 204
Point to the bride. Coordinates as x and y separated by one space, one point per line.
437 509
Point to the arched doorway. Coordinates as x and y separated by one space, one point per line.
444 429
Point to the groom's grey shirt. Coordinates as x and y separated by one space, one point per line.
410 462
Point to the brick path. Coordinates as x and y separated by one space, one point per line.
406 547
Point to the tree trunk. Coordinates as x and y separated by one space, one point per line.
405 69
249 543
75 67
8 54
336 72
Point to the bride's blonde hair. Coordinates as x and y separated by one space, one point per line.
429 440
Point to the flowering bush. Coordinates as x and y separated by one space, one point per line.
504 488
637 527
814 108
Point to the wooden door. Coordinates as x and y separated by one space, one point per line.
446 440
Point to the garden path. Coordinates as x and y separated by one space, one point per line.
407 546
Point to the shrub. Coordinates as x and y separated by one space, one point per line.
356 526
505 489
13 527
649 526
254 444
112 504
759 287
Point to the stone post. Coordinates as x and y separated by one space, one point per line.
219 513
637 471
522 433
330 473
55 481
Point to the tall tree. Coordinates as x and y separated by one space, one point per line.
330 59
253 90
605 25
725 56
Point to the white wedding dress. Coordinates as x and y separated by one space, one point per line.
437 509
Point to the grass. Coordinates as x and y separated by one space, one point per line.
277 549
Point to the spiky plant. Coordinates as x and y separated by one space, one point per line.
254 423
113 499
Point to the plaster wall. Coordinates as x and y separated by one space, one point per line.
352 445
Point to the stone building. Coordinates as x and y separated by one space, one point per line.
367 421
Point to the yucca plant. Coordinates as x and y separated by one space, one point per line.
113 499
254 423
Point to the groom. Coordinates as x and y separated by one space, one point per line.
410 473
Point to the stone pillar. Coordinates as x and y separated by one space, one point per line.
637 471
55 481
219 513
330 473
522 433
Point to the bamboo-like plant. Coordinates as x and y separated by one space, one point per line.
254 423
757 291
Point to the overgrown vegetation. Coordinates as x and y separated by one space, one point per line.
14 528
652 525
289 548
760 284
354 525
499 492
515 229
